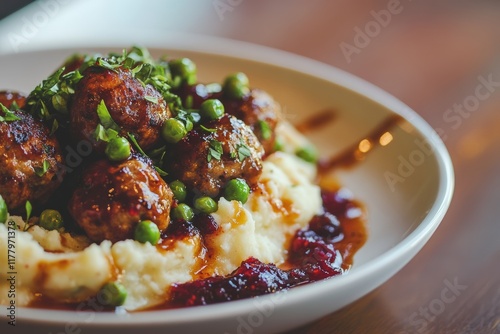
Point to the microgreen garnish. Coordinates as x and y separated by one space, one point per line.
105 64
151 99
40 171
107 129
265 129
135 143
214 150
105 117
29 209
54 127
243 151
160 171
59 102
9 115
104 134
50 98
188 118
14 106
207 129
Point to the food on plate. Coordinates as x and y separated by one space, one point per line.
31 159
127 183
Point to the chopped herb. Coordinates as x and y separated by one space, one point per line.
243 152
158 155
40 171
105 64
151 99
265 130
188 118
157 152
135 143
59 102
161 171
105 117
14 105
29 208
105 135
9 115
207 129
54 127
214 150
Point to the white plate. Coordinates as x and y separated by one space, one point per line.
401 217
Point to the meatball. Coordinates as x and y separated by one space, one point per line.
30 161
135 108
7 98
259 111
206 160
113 197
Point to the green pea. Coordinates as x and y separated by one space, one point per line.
113 294
279 145
307 153
118 149
179 189
3 211
237 189
236 85
147 231
265 130
173 130
205 204
183 211
50 220
212 109
184 68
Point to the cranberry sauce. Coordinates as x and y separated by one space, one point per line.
322 250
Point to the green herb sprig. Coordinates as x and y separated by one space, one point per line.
9 116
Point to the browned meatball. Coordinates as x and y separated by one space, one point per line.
196 162
130 104
7 98
261 112
257 109
30 161
114 197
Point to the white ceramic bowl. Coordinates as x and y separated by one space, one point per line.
406 185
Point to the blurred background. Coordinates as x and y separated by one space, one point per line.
430 54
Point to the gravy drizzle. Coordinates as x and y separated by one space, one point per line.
317 120
356 152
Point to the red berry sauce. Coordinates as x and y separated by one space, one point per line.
322 250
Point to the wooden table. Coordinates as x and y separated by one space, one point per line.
430 55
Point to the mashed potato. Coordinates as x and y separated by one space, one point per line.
72 269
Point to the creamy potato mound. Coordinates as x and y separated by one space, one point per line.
72 269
